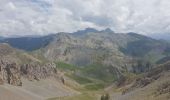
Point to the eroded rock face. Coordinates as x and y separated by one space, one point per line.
10 73
1 81
37 72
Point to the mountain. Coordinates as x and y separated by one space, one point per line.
15 55
143 45
161 36
153 85
83 65
87 30
104 55
129 44
28 43
91 48
90 42
21 75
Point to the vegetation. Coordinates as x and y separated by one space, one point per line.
65 66
83 96
88 74
80 79
105 97
95 86
100 72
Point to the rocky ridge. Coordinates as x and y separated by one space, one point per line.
37 72
10 73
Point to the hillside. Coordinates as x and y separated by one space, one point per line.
94 52
153 85
23 76
83 62
81 47
14 55
85 46
28 43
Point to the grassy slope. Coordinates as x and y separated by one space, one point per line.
84 96
92 77
90 86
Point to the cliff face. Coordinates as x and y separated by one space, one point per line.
10 73
37 72
15 64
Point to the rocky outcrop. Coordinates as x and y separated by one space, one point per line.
1 80
10 73
163 88
37 71
150 77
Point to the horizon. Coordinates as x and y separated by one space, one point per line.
154 36
85 29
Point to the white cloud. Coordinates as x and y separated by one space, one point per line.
30 17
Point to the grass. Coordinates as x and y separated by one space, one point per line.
65 66
100 72
83 96
95 86
92 77
94 71
80 79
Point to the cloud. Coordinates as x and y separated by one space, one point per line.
41 17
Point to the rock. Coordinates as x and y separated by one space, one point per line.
10 73
163 88
37 71
1 81
142 82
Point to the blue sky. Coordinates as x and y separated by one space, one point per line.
41 17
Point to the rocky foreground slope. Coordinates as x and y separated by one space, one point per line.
15 64
23 77
11 73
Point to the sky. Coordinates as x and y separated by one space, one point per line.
42 17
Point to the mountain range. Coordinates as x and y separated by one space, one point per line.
91 40
87 60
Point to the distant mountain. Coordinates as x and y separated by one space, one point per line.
1 38
161 36
90 46
143 45
86 46
87 30
28 43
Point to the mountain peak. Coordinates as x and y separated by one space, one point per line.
137 35
108 30
87 30
90 29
